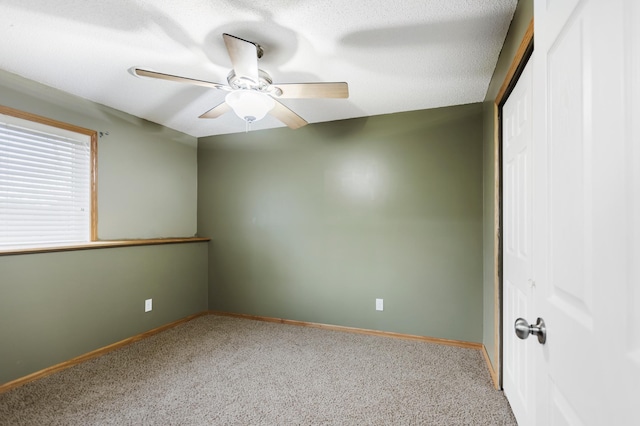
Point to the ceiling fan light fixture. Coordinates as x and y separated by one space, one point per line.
251 93
250 105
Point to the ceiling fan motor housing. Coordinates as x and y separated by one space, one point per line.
248 83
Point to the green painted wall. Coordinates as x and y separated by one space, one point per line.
57 306
317 223
519 24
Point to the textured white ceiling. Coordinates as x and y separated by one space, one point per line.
396 56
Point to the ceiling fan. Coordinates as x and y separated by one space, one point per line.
252 93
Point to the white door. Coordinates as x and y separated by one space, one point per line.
517 262
586 159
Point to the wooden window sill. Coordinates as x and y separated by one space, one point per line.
102 244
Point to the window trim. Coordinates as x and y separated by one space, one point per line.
93 135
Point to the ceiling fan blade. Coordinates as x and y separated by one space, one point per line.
244 56
313 90
288 117
146 73
216 111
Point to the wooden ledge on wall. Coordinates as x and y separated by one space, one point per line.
103 244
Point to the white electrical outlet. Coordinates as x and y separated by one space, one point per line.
148 305
379 304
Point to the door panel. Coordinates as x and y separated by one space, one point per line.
630 334
570 172
586 211
633 149
516 361
562 413
517 288
567 201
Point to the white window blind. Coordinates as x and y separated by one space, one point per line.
45 184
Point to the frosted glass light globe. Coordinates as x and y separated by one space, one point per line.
250 105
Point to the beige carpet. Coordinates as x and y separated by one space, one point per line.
227 371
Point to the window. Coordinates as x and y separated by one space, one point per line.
47 182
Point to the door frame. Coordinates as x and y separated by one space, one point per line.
522 56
